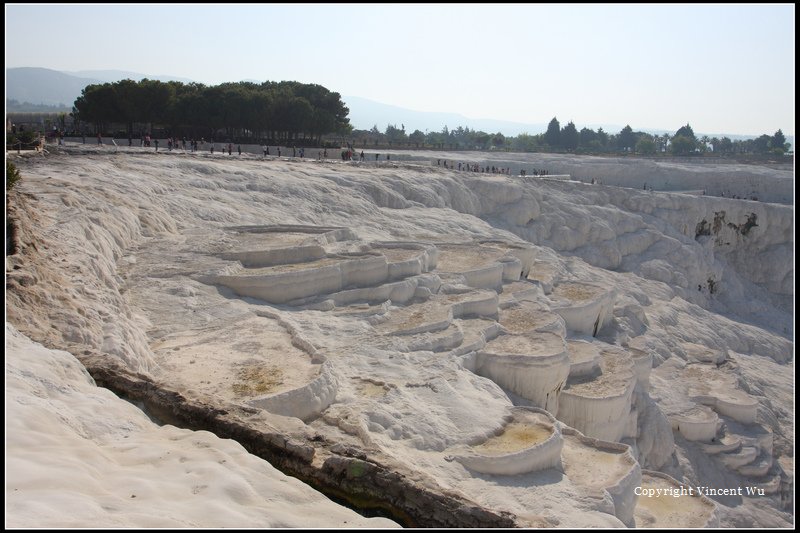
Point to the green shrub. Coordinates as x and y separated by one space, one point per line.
12 175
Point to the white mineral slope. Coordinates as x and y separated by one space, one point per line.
77 456
123 237
773 182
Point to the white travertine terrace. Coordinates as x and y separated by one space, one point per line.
703 354
642 366
666 511
543 273
600 405
601 465
586 308
534 366
719 391
584 358
478 265
530 317
477 332
305 402
698 423
281 284
402 315
522 251
78 456
531 441
407 259
519 291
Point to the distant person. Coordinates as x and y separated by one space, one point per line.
239 146
99 139
279 151
212 149
156 143
362 155
376 156
230 149
387 157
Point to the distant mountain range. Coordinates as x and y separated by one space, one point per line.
43 86
115 75
47 87
364 114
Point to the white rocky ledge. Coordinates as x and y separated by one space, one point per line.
530 317
306 402
531 441
698 423
667 511
584 359
534 366
733 403
601 465
477 332
586 308
407 259
438 312
480 266
398 292
642 366
725 444
698 353
599 405
519 291
522 251
710 386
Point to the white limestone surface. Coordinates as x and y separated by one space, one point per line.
585 308
79 457
674 506
531 441
599 405
120 239
698 423
584 359
534 366
606 466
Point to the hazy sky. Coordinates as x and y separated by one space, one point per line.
722 68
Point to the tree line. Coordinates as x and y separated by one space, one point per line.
282 111
569 139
